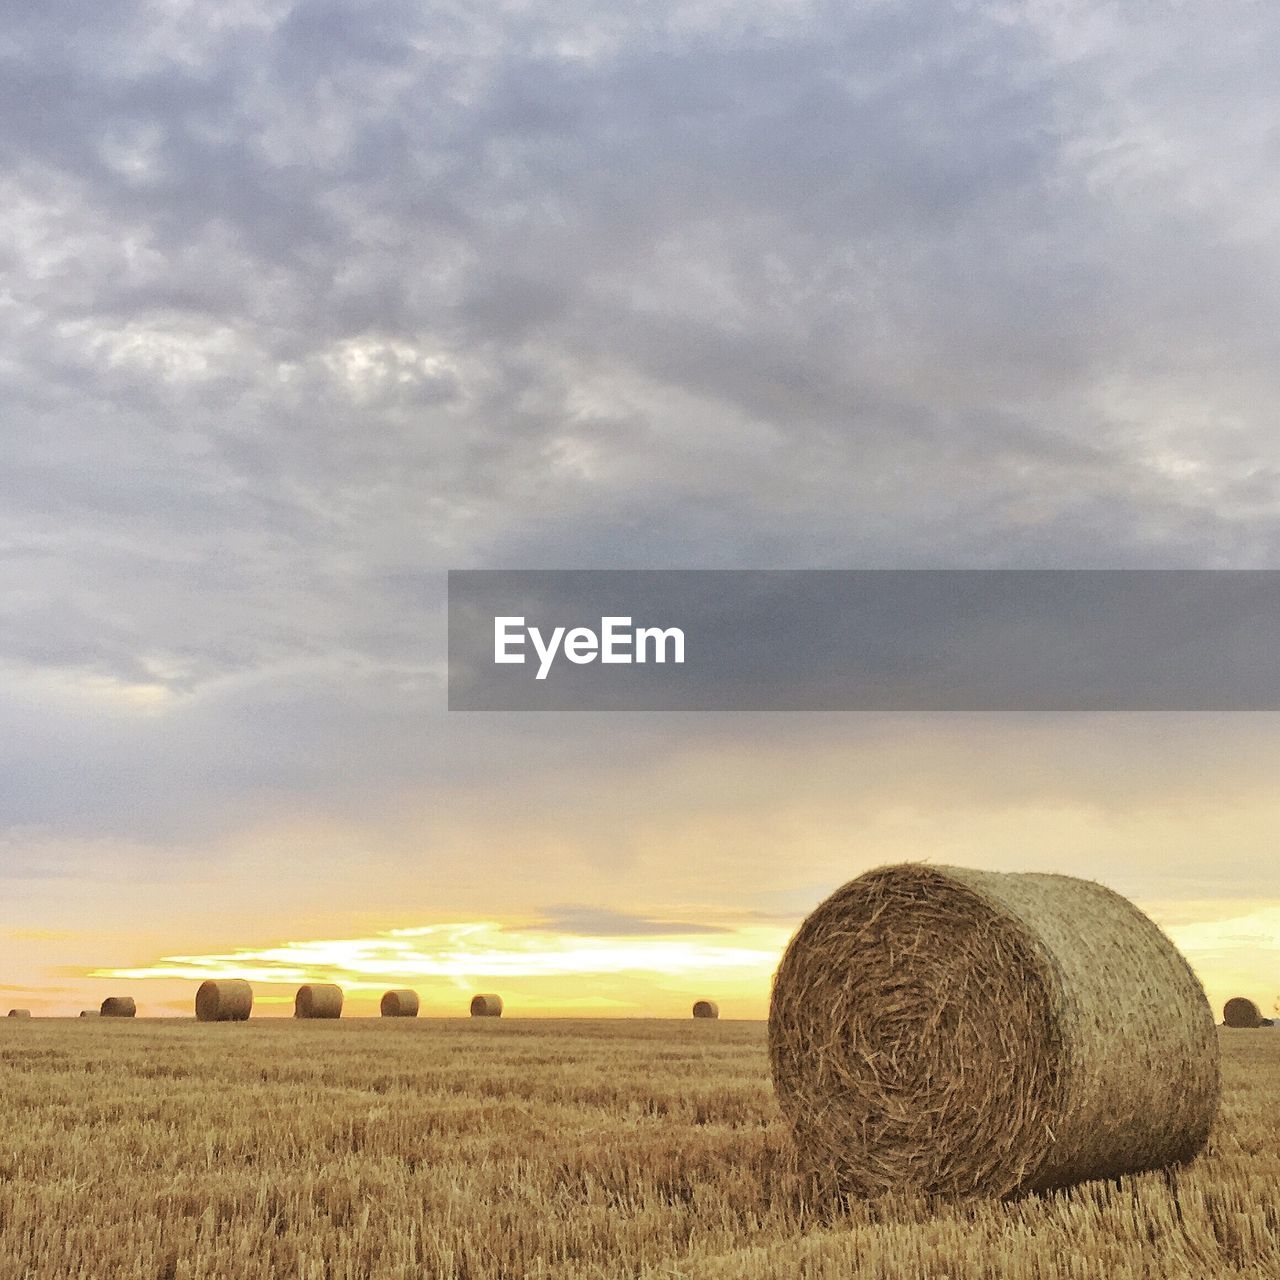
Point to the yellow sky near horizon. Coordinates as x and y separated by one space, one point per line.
1233 945
635 887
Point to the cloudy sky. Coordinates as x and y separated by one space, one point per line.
303 302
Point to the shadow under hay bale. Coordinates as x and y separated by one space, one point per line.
118 1007
318 1000
706 1009
953 1032
401 1003
1241 1013
224 1000
486 1006
19 1013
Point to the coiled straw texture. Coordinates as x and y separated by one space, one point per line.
400 1003
224 1000
956 1032
1240 1011
318 1000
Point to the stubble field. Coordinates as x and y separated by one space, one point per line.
498 1150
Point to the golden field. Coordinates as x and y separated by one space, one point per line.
496 1150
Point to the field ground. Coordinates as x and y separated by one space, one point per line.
452 1149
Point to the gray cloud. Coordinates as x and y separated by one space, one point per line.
305 302
603 922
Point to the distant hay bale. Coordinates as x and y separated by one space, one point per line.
953 1032
224 1000
486 1006
1267 1022
118 1007
318 1000
90 1013
19 1013
400 1003
706 1009
1241 1012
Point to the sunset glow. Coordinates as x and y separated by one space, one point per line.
547 973
544 972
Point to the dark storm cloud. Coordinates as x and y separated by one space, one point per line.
303 303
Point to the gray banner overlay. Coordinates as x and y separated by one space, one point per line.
883 640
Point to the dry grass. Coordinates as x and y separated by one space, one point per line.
229 1000
469 1150
400 1003
1241 1012
318 1000
950 1031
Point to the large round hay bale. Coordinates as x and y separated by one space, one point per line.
400 1003
955 1032
19 1013
118 1007
224 1000
318 1000
486 1006
1241 1012
706 1009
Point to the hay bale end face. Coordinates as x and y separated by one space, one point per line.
706 1009
486 1006
954 1032
19 1013
401 1003
318 1000
118 1007
1241 1013
224 1000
